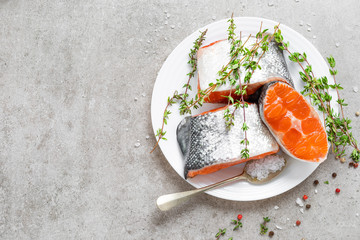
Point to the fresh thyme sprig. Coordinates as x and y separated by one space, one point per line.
337 126
193 62
250 66
263 228
224 73
229 117
160 133
220 233
241 91
237 223
202 94
234 66
337 87
231 33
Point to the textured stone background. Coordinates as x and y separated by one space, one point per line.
69 73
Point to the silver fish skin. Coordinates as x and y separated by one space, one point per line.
212 58
205 141
273 65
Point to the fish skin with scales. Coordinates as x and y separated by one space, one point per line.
213 57
208 145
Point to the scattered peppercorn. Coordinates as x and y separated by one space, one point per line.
308 206
351 164
316 182
334 175
356 165
357 114
239 217
337 190
271 233
305 197
342 159
298 223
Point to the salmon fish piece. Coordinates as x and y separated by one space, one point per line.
293 122
209 146
213 57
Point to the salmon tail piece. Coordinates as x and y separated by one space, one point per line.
293 122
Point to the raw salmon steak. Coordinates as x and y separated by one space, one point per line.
209 146
213 57
293 122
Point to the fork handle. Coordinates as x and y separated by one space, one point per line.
166 202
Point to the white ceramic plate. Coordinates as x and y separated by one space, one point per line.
172 76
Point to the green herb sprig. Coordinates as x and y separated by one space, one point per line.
337 126
241 91
193 62
250 66
220 233
237 223
233 76
347 137
234 44
202 94
160 133
263 228
231 33
225 72
236 47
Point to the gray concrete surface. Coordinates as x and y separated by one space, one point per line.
69 73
